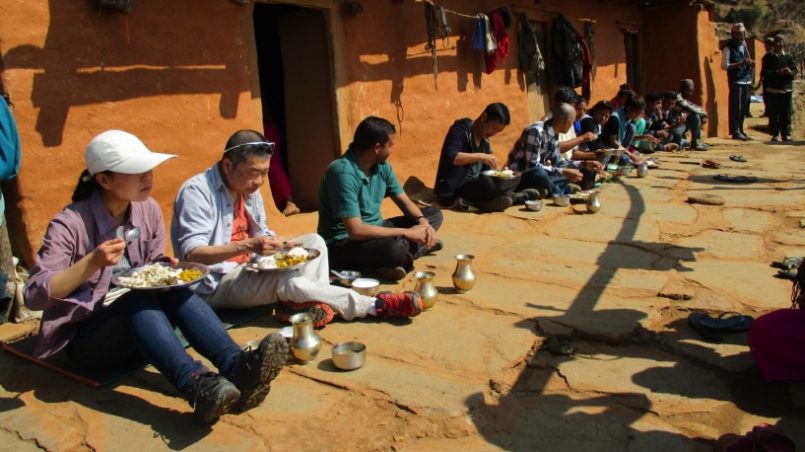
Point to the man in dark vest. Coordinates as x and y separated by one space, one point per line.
739 67
778 71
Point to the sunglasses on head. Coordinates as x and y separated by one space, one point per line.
260 146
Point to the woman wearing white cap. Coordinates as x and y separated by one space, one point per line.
71 280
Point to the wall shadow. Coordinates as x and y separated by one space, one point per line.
69 74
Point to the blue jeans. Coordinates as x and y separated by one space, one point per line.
143 322
538 178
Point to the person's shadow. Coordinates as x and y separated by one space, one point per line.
178 430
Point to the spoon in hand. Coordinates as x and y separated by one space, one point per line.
132 234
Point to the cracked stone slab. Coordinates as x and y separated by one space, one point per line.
672 386
726 245
574 422
615 229
750 283
472 341
656 211
748 219
790 237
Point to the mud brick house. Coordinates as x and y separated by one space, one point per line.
184 74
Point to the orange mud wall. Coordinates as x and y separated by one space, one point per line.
387 72
182 75
177 74
680 42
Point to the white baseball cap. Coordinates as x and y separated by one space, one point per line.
121 152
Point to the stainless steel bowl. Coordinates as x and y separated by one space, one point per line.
366 286
349 355
534 205
347 276
561 200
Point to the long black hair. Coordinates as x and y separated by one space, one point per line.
86 186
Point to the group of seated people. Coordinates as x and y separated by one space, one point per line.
219 220
562 153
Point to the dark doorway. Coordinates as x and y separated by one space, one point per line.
632 44
297 91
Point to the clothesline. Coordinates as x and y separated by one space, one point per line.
453 12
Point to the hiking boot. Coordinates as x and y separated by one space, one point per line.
424 251
529 194
256 368
498 204
321 313
211 396
406 304
389 273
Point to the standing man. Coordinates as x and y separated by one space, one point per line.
466 152
219 220
738 65
352 190
777 71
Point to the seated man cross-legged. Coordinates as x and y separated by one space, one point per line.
465 154
536 153
219 220
352 190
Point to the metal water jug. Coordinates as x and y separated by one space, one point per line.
425 288
642 169
305 343
464 277
593 203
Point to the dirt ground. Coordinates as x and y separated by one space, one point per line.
477 371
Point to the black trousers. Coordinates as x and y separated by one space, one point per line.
779 109
387 252
485 188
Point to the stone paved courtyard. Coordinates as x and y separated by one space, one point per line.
475 373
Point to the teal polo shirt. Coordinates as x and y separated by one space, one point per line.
347 192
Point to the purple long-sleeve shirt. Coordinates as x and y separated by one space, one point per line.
75 232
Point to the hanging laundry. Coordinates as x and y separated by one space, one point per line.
567 55
430 25
529 54
441 15
498 20
478 34
490 43
586 67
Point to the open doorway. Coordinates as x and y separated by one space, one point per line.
297 90
631 43
537 85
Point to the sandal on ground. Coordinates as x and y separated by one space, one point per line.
735 179
712 328
711 164
737 158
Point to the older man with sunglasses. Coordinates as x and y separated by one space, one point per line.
219 220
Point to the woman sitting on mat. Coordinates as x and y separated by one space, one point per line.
777 339
98 325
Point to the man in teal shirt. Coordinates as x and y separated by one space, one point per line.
352 189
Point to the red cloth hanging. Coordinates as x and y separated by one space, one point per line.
586 67
502 51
